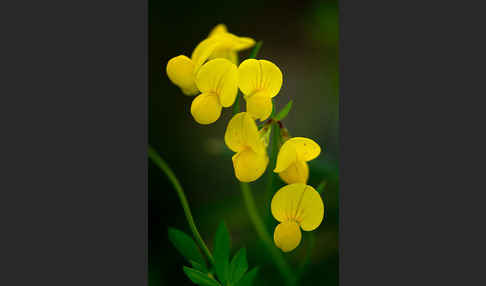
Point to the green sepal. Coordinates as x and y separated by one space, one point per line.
284 112
198 266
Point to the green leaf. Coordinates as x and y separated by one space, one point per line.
186 246
321 186
247 280
200 278
198 266
222 252
238 266
284 112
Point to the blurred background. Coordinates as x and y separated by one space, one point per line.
301 37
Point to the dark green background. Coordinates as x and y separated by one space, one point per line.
301 37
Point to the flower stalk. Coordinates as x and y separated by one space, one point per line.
255 218
164 167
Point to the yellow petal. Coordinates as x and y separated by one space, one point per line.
219 29
242 133
300 203
203 51
249 165
219 77
287 236
230 55
311 210
296 149
259 75
180 71
232 42
307 149
206 108
259 105
287 155
297 172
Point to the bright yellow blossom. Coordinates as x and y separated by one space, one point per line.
260 81
293 157
232 45
218 81
182 71
296 206
242 137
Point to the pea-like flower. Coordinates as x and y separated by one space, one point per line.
182 71
293 157
218 81
242 137
260 81
231 44
296 206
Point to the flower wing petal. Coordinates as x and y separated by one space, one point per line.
180 71
230 55
205 108
219 76
298 172
203 51
242 132
259 105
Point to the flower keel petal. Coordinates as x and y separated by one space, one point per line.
249 165
297 172
287 236
206 108
259 105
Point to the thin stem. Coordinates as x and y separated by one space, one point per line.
308 253
237 105
255 50
265 237
269 191
182 197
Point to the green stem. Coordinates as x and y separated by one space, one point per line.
182 197
237 105
269 191
265 237
255 50
273 155
308 253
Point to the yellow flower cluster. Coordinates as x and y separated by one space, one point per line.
213 75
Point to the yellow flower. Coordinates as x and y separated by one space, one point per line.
182 71
218 81
296 206
293 157
242 137
232 45
260 81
